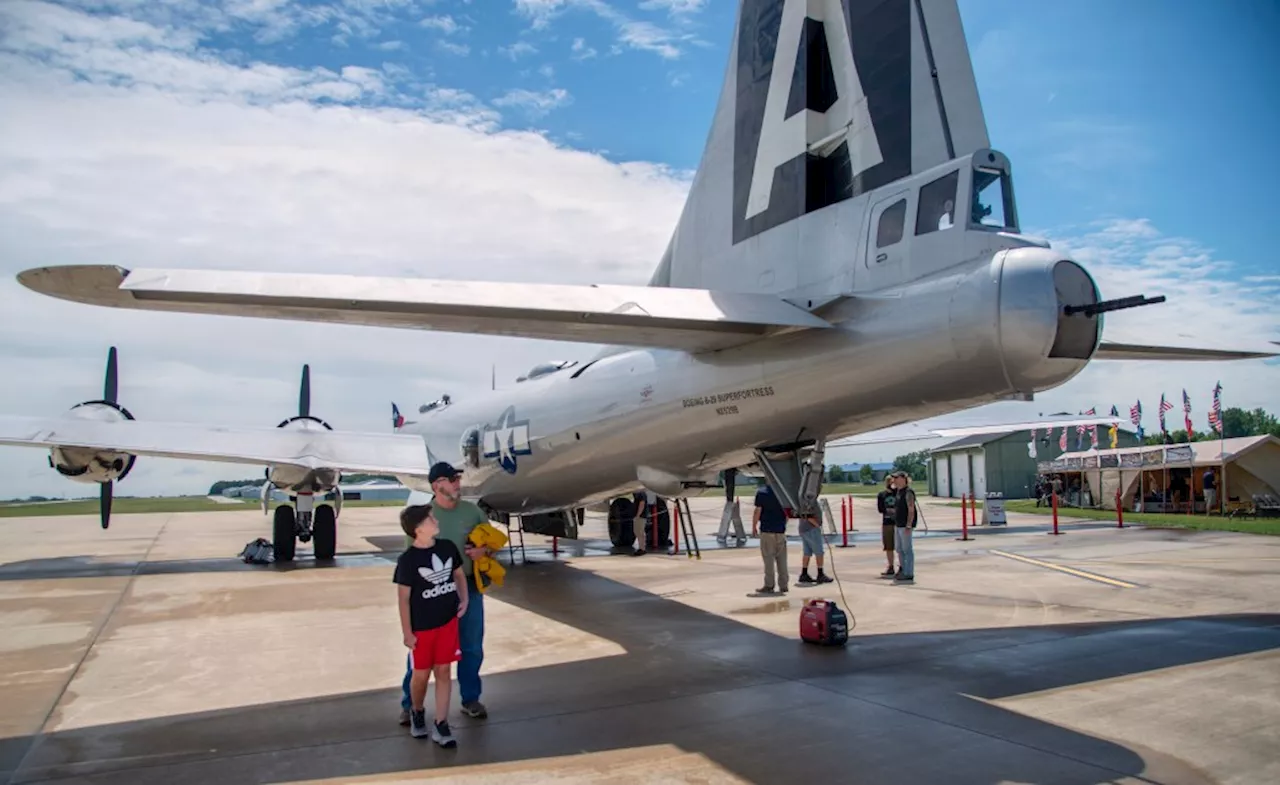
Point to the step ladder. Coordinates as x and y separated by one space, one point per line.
685 516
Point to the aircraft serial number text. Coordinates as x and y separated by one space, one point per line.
736 395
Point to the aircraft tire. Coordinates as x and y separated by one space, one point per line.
283 537
324 531
620 534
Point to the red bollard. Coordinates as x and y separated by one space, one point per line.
1119 511
675 530
555 546
964 519
1055 512
844 524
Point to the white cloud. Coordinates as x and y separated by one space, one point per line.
632 34
536 103
518 50
444 24
122 142
581 51
675 7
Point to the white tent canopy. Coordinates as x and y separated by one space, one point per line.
1163 477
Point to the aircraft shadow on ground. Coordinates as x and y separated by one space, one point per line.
887 708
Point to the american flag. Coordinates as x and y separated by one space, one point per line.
1215 413
1186 412
1165 406
1135 416
1062 440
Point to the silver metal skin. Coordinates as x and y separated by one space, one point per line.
959 339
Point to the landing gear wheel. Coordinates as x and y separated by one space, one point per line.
324 530
283 533
620 514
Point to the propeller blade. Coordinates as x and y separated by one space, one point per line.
266 492
105 503
304 396
337 501
109 386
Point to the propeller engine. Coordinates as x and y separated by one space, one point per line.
297 479
84 464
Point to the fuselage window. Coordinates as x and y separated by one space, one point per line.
892 221
938 204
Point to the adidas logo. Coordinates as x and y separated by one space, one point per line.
439 572
439 590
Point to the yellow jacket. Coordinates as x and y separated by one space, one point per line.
488 536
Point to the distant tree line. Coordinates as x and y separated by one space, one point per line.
1236 422
221 485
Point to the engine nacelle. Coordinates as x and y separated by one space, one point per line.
299 479
88 464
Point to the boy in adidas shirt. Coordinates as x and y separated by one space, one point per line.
433 596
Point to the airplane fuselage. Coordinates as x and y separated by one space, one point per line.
978 332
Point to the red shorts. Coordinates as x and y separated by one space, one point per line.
436 647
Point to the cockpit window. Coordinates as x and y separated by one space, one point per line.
937 210
992 202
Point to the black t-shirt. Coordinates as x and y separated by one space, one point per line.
885 502
772 517
433 592
902 507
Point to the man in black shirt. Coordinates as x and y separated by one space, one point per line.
433 596
769 523
885 503
904 520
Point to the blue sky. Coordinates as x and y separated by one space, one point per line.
552 140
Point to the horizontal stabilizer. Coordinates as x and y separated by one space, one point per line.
1112 350
373 453
690 319
906 434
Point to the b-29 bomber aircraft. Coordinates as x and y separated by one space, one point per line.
849 258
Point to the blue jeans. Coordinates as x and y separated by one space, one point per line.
904 544
471 641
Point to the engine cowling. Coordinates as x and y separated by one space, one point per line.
299 479
90 465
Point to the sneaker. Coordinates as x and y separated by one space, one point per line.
475 709
805 579
889 573
419 726
823 578
404 717
905 579
441 734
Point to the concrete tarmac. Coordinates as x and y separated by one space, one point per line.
149 653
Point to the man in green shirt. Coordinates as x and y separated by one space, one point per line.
457 517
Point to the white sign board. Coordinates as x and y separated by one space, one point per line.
993 512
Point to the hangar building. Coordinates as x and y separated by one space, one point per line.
1002 461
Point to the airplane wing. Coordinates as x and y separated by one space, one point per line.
1113 350
689 319
347 451
973 430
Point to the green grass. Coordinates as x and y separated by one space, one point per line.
1194 522
124 505
142 506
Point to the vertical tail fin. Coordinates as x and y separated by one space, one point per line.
823 102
